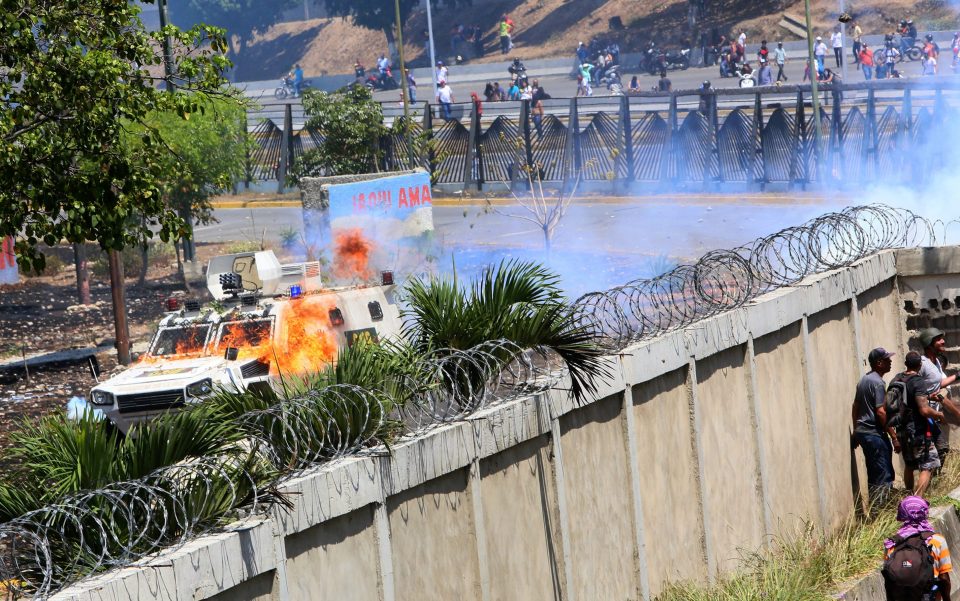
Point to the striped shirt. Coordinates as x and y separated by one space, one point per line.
940 553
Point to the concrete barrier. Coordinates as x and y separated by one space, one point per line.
704 442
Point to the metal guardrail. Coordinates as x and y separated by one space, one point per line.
753 136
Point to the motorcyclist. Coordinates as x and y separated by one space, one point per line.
908 35
517 71
383 65
359 70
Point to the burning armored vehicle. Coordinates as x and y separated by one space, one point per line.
268 319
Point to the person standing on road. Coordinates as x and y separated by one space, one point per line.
780 56
582 56
836 40
820 54
866 61
870 425
442 72
664 84
505 27
411 87
765 74
297 79
536 113
857 43
445 98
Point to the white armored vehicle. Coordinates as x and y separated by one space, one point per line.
268 320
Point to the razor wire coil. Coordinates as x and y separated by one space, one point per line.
46 549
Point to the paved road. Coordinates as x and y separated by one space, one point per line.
635 231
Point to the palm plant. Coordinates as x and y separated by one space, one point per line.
514 301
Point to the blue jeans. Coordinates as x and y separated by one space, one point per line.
867 72
878 455
447 114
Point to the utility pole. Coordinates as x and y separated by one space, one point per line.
814 92
433 56
403 87
121 331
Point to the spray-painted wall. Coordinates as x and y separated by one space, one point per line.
704 443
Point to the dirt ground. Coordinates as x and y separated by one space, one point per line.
42 314
552 28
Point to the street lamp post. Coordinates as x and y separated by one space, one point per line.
403 86
814 92
433 56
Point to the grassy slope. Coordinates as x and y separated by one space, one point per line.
552 28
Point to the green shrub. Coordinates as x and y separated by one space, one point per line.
52 266
243 246
158 254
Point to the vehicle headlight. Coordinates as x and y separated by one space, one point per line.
200 389
101 397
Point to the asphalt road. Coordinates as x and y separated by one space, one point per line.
680 228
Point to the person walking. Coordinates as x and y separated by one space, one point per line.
866 61
917 563
820 54
836 40
445 98
780 57
870 425
935 381
297 79
765 74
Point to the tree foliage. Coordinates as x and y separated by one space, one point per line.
77 77
243 18
208 153
350 122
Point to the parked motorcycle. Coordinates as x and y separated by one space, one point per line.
375 81
286 88
677 60
745 75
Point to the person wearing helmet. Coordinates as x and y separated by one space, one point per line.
935 381
930 56
706 99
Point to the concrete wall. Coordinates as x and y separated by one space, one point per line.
703 443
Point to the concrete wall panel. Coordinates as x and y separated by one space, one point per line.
335 560
835 374
434 542
730 468
521 523
258 588
597 488
880 323
784 414
668 480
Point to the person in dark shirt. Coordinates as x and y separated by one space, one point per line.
870 425
663 84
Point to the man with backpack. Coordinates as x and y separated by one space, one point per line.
916 564
911 422
870 425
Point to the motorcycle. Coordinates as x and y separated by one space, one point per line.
611 77
745 76
518 72
375 81
286 88
649 60
677 60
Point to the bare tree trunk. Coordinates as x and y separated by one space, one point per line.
180 271
144 264
392 46
83 273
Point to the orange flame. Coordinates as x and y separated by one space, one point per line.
309 341
352 254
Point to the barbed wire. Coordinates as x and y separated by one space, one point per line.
722 280
44 550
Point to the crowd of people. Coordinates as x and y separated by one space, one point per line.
908 417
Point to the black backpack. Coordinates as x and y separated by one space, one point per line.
898 407
908 572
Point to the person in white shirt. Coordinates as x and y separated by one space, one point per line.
836 40
445 98
742 38
820 53
441 72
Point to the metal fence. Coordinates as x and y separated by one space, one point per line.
752 137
